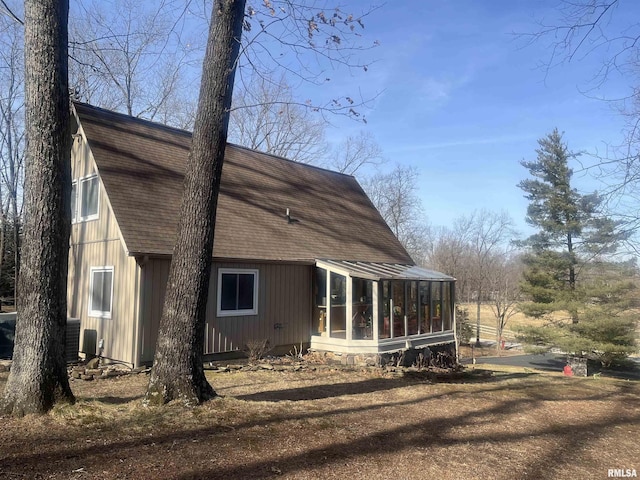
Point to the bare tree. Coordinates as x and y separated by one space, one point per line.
178 371
356 152
490 233
449 253
266 117
11 135
473 250
128 56
504 283
38 376
177 367
394 195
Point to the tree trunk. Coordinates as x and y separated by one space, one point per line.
38 375
178 371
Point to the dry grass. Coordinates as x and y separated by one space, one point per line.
488 318
336 424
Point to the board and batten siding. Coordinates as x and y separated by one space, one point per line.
98 243
284 308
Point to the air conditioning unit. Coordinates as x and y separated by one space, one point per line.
7 335
72 344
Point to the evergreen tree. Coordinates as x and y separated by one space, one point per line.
564 276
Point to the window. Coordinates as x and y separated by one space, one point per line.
74 195
101 292
84 199
237 292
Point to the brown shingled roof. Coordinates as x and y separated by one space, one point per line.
141 165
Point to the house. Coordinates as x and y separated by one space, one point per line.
301 255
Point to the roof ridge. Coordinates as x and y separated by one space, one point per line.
158 125
124 116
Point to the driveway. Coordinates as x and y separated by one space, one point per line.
555 363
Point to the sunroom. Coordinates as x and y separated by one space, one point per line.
362 307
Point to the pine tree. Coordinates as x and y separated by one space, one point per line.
564 262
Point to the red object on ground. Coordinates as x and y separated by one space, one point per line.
568 371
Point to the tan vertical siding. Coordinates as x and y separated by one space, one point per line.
98 243
118 331
154 284
284 297
105 227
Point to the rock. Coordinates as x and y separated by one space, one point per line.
86 377
93 363
266 366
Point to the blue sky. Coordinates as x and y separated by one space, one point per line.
464 100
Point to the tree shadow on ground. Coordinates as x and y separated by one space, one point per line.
111 400
318 392
437 431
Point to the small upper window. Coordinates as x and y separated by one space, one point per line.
237 292
84 199
101 292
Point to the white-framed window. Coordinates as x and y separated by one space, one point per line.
237 292
85 197
101 292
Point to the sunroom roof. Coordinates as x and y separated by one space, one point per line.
383 271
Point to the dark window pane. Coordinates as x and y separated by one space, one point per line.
101 292
245 291
89 197
107 280
74 193
229 291
96 292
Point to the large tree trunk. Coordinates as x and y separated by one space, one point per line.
38 375
178 371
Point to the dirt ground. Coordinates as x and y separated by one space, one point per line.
332 423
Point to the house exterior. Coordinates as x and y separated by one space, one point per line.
301 256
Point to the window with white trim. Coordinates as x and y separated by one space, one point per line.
85 194
101 292
237 292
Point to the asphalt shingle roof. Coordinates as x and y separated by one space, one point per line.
141 165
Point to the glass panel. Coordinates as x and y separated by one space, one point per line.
228 291
89 198
338 305
425 316
96 292
101 291
74 193
106 291
412 308
436 321
245 291
397 288
446 306
384 328
319 321
362 308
